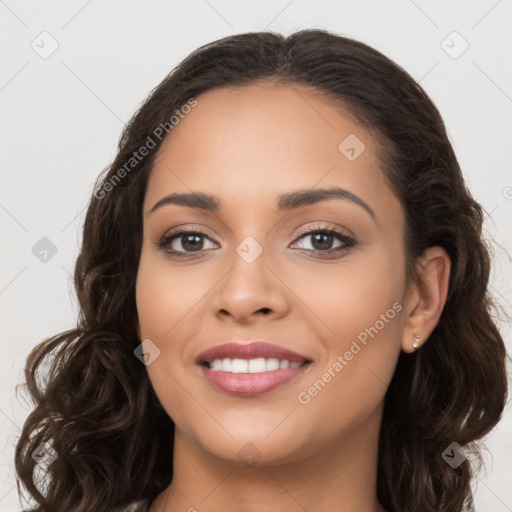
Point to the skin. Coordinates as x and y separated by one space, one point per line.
247 146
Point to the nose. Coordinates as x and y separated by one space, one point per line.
250 292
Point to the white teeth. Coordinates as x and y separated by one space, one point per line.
272 364
239 366
257 365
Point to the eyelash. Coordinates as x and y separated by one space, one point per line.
347 240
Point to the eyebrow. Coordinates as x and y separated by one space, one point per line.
286 202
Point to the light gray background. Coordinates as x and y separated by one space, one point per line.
62 116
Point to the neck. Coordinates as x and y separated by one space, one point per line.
341 478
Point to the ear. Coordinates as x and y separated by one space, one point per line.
426 297
138 329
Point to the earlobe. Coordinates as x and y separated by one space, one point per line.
417 342
426 298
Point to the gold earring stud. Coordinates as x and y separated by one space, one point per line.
416 345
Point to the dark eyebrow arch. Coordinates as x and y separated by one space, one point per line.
286 202
301 198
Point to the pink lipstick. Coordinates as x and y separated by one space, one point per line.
251 369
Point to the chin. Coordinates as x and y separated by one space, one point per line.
250 446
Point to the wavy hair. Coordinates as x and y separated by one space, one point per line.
97 408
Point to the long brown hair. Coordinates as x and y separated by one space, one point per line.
97 408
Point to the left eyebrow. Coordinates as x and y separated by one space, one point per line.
306 197
286 202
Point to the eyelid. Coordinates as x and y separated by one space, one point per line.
343 235
325 227
188 228
192 228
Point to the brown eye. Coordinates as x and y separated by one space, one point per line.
183 242
323 239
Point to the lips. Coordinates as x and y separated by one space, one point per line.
251 384
252 381
250 351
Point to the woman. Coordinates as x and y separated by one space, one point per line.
283 291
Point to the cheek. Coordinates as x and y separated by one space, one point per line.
360 304
165 294
162 300
163 297
351 295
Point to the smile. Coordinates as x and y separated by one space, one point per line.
241 377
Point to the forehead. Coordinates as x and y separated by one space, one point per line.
250 144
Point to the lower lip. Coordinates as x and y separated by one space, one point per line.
251 384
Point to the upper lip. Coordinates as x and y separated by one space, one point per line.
251 350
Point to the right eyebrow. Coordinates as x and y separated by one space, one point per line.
192 200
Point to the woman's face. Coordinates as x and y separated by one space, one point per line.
263 269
